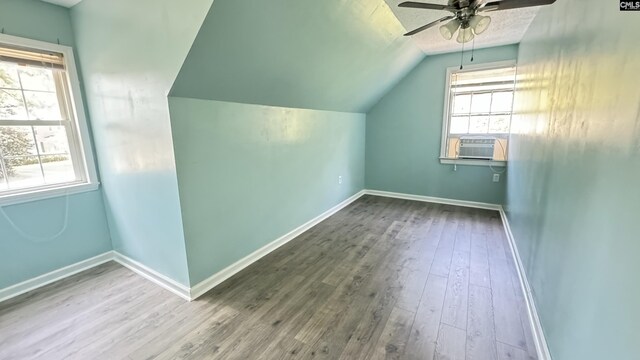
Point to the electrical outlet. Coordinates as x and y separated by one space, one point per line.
340 179
496 177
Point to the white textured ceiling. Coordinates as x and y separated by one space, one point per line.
507 27
65 3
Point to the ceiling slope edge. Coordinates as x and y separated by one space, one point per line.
333 55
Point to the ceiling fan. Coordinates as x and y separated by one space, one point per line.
467 15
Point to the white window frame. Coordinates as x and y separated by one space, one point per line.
447 112
84 149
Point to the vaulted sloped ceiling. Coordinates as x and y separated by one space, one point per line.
339 55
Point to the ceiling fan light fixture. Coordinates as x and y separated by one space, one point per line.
479 23
465 35
449 29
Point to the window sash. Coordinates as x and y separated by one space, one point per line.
62 92
472 93
497 82
74 152
71 131
75 106
470 114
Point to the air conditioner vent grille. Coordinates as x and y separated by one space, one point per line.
480 148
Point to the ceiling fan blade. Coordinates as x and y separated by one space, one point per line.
431 24
513 4
419 5
479 4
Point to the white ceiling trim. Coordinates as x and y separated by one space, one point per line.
65 3
507 27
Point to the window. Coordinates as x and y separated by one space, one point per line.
43 141
478 114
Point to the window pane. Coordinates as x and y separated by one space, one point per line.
481 103
9 76
12 105
58 169
20 157
461 104
37 78
478 125
24 172
17 141
42 105
459 125
502 102
499 124
52 140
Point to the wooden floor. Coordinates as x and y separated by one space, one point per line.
383 278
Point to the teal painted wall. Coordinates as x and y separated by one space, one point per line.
404 132
130 54
37 20
87 234
326 55
573 198
249 174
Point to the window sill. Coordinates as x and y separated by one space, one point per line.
449 161
47 193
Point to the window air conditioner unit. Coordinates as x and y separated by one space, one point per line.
477 148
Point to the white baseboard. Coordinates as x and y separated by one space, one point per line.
152 275
48 278
536 326
437 200
217 278
59 274
162 280
206 285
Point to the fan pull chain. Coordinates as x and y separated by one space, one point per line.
473 47
462 57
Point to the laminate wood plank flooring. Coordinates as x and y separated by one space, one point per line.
381 279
